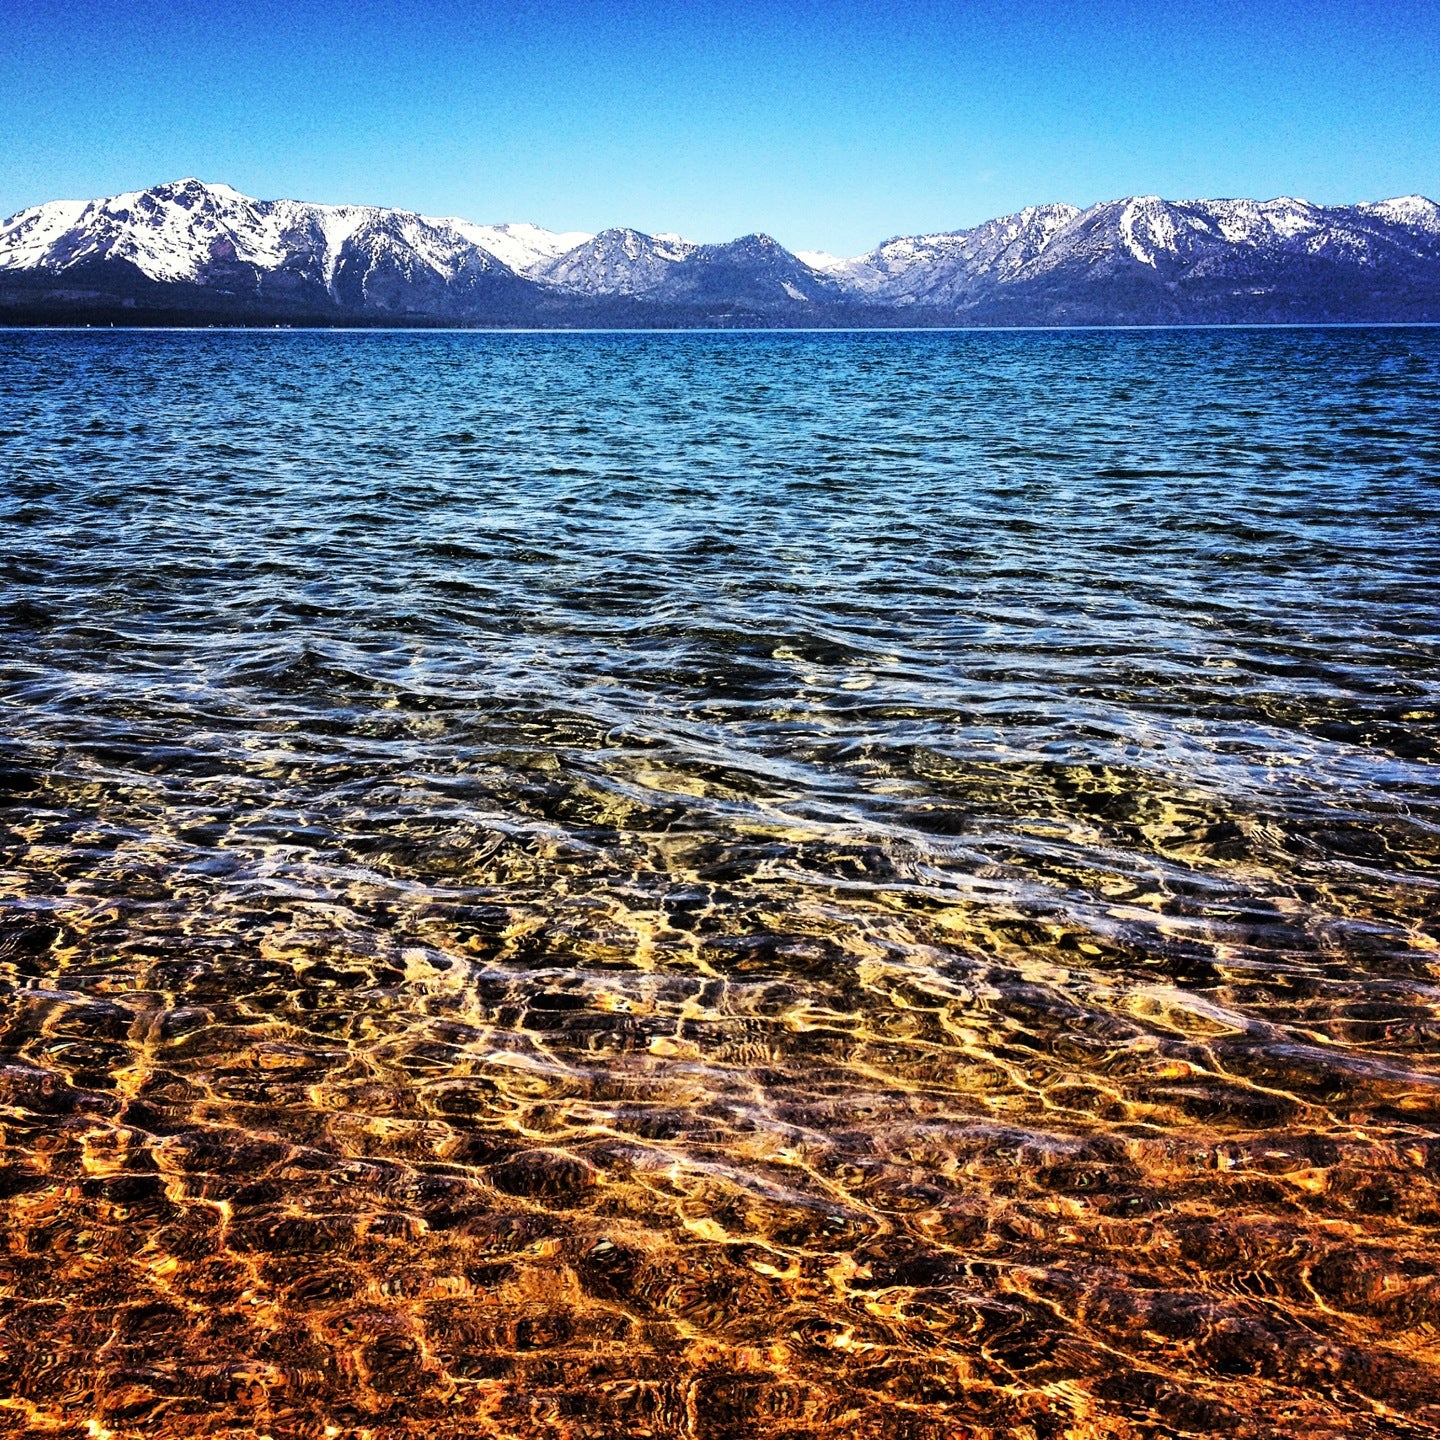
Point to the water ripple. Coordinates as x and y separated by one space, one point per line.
710 885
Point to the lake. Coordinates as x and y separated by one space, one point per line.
804 885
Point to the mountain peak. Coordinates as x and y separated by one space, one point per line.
1418 211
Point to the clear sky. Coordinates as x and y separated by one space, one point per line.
830 126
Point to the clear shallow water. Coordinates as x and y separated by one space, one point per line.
720 885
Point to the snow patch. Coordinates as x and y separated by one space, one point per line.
524 248
1414 210
824 262
27 238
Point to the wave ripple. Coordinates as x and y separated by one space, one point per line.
716 885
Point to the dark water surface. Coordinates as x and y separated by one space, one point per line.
720 885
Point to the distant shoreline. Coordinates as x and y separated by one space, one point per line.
191 254
363 329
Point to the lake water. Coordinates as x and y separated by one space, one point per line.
720 885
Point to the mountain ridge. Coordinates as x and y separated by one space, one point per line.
191 252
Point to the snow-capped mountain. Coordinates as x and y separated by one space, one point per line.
527 249
756 271
176 232
1206 236
195 252
618 262
937 268
1162 246
200 241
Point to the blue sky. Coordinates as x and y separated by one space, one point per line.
830 126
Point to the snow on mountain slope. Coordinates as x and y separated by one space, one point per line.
1413 210
1140 235
1160 235
26 238
210 240
754 272
526 249
1171 239
168 232
178 232
1260 221
856 274
618 262
939 269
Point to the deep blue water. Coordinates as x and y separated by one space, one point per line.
825 884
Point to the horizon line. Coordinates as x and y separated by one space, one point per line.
717 330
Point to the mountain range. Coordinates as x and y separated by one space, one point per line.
195 253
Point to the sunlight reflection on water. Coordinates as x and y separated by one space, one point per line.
718 885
